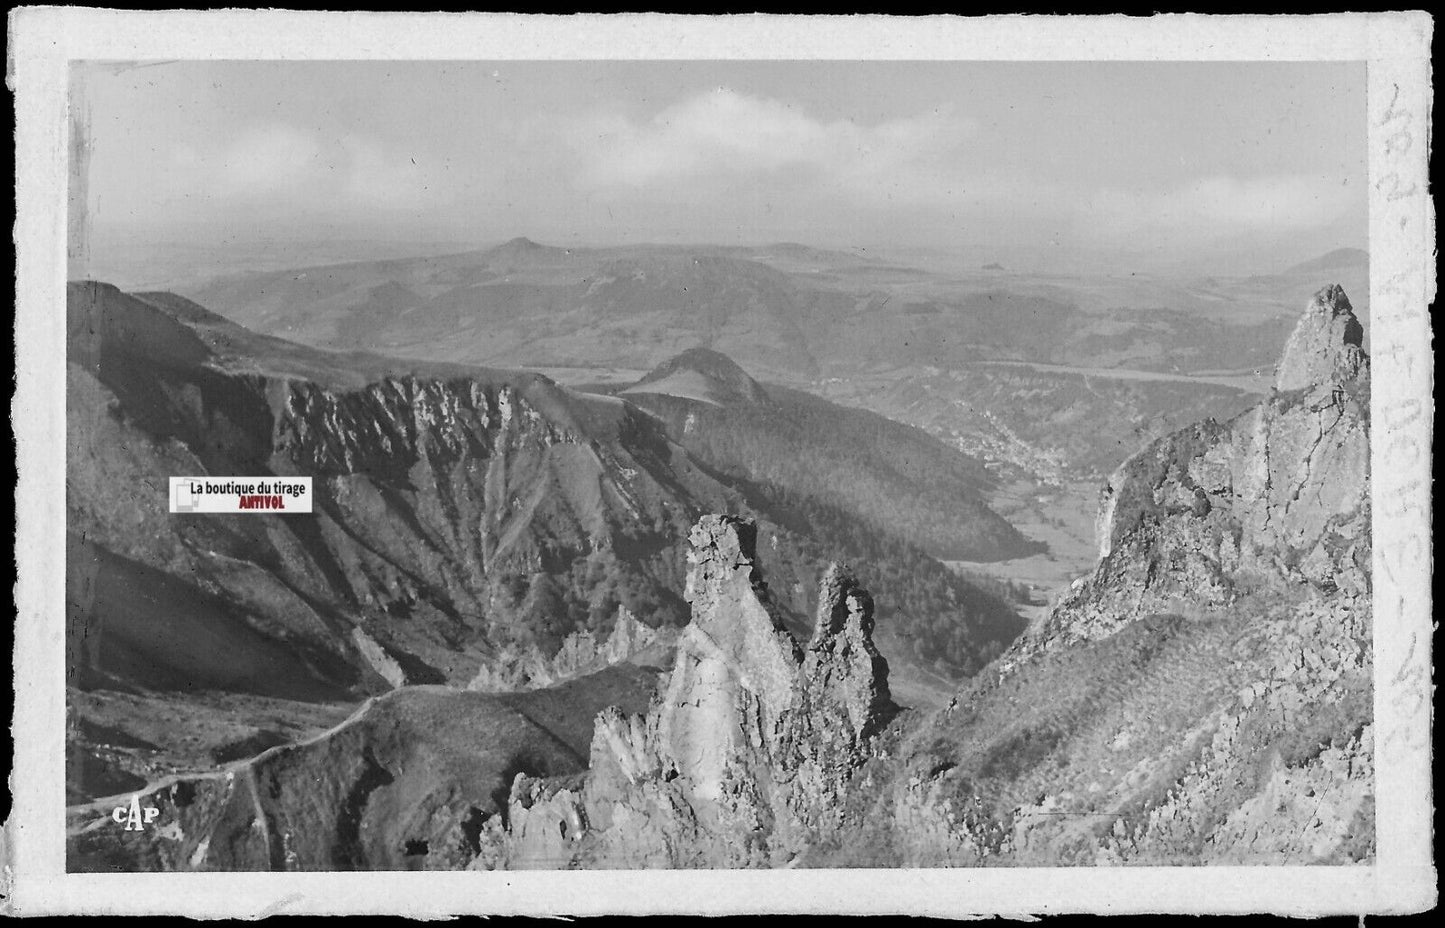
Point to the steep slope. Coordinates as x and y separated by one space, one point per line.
1204 695
1278 493
738 757
1048 424
741 760
705 376
459 511
398 786
446 501
1356 258
471 527
806 453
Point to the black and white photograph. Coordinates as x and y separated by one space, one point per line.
552 462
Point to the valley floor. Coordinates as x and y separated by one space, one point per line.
1059 513
1245 379
1060 516
601 377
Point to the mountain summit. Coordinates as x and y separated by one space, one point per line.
1205 694
825 457
521 252
1333 260
743 758
1280 492
705 375
1325 345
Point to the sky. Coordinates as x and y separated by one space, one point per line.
1220 167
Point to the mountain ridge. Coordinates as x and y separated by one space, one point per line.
465 518
1203 696
806 448
1351 257
1228 619
702 374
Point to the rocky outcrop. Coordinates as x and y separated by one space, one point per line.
1325 346
441 497
743 756
1205 695
463 517
581 653
1240 737
1280 494
469 525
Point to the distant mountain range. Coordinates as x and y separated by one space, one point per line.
787 312
1340 258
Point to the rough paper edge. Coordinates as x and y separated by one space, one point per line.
1396 46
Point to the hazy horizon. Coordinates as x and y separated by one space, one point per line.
1217 168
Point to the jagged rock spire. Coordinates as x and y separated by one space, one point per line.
1281 491
844 671
736 667
743 756
1325 346
839 598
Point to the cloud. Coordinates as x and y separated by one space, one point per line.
375 175
270 157
718 164
724 159
284 168
725 134
1280 201
1225 204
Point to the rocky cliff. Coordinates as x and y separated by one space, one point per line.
1205 695
458 513
581 653
1202 697
1325 346
467 521
1277 495
470 526
743 756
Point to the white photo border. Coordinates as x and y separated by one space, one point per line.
1396 47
